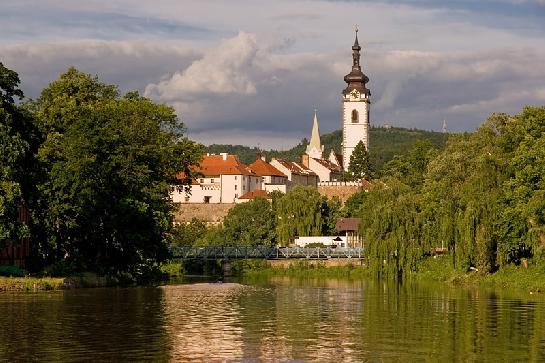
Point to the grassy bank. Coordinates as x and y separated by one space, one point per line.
512 277
31 283
28 283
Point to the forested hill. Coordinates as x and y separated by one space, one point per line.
384 144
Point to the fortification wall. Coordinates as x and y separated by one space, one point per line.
342 191
209 213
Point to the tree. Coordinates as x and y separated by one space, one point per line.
18 142
299 213
360 166
110 165
250 223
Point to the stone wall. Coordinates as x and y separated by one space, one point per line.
342 191
210 213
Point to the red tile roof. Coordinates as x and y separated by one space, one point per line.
255 194
328 164
296 168
263 168
215 165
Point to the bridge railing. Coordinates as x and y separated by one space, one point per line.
263 252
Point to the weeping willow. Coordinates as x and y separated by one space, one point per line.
483 198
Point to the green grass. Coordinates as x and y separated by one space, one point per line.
510 277
172 269
32 283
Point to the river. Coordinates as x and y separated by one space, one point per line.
276 319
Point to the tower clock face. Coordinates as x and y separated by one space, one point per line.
354 94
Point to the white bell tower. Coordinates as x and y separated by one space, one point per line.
355 107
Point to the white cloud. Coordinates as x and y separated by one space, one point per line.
225 70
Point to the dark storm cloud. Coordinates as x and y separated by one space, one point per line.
427 60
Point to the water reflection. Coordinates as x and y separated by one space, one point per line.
278 319
83 325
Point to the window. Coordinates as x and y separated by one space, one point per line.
202 181
236 195
236 187
355 116
207 199
212 181
186 199
235 177
256 181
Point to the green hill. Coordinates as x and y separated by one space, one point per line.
384 144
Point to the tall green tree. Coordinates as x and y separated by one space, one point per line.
360 165
251 223
18 142
299 213
110 165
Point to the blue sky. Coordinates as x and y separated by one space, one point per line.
252 72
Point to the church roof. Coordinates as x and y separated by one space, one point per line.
315 137
263 168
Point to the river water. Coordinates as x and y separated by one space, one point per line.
277 319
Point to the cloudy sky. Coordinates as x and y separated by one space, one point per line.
252 72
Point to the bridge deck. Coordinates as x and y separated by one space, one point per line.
263 252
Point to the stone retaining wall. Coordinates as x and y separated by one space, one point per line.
209 213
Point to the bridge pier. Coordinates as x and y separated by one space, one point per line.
226 267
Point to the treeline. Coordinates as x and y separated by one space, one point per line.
483 197
300 212
95 169
385 144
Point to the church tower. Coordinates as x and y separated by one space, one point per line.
355 107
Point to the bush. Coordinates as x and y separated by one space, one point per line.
11 271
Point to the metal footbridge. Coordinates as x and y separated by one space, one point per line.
263 252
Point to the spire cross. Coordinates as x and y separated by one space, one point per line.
356 28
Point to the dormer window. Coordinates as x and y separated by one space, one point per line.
355 116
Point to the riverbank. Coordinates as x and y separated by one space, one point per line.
31 284
530 278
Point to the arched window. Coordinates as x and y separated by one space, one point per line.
355 116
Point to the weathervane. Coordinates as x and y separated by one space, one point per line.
356 27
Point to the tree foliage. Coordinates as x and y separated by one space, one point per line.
482 197
18 142
109 163
250 223
304 212
360 166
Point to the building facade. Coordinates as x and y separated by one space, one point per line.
223 178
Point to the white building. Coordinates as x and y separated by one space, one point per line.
297 173
355 107
223 179
272 178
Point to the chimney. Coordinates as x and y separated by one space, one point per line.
259 155
223 156
304 160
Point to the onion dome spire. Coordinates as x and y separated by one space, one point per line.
356 79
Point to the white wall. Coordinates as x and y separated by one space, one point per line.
325 240
354 132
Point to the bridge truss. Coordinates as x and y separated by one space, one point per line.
263 252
